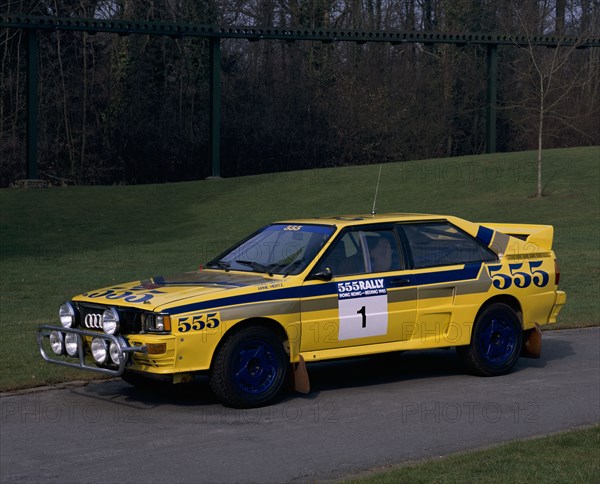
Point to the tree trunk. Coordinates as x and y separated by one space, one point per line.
84 107
68 134
539 193
559 21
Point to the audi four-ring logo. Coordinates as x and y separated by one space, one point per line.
93 321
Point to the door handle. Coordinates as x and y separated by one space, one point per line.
400 281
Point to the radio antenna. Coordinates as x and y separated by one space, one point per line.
376 190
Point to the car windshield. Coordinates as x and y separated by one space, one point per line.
275 249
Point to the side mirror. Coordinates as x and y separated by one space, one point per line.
324 275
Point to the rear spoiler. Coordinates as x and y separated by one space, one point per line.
540 235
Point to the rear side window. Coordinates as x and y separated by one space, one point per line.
440 244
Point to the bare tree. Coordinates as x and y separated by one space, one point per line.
545 68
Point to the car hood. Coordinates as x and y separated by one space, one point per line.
155 292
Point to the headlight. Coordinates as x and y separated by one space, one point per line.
67 315
57 342
71 344
99 350
110 321
114 350
159 323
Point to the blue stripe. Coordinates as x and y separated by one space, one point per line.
485 235
201 283
274 295
470 271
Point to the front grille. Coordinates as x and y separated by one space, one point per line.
91 318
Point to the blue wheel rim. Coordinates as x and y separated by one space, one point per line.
497 340
256 367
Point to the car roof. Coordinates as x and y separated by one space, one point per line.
365 219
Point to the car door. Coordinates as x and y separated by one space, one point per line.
366 300
449 274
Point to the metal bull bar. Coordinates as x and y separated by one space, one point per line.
44 331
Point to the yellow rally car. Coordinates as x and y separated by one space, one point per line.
301 291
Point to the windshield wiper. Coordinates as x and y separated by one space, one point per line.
293 266
219 263
257 266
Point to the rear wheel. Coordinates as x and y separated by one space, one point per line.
496 341
250 368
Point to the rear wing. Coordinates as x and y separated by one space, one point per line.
540 235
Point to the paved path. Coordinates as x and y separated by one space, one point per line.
362 413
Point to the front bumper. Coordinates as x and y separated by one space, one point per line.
82 360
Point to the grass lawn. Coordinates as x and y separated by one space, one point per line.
566 457
58 242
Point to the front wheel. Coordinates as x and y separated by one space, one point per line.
249 369
496 342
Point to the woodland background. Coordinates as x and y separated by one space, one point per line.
134 109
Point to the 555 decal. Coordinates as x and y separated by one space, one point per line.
133 295
198 322
520 275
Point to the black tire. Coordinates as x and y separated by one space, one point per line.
496 342
249 369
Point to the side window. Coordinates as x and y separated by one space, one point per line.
440 243
345 257
361 252
383 250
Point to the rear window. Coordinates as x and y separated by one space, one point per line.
440 243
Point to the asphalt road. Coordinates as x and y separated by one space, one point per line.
363 413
